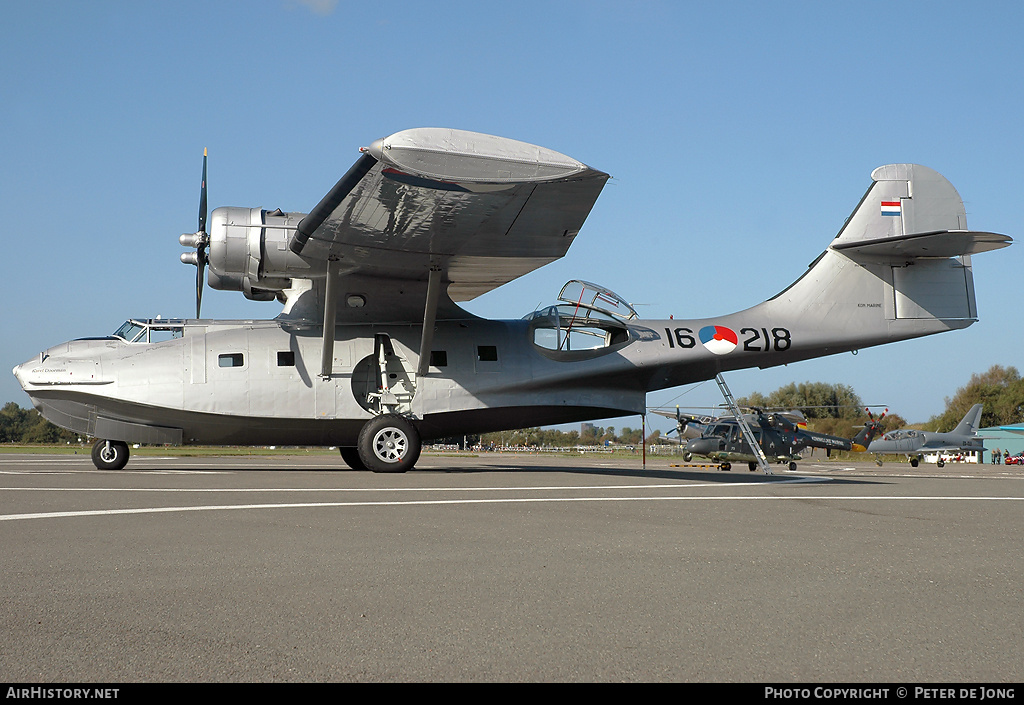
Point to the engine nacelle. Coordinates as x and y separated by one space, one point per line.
780 421
249 252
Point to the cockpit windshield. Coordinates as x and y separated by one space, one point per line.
152 330
594 297
900 434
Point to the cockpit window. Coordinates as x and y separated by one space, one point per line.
130 331
570 328
588 319
899 434
150 331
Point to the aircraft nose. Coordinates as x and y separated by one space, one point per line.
701 446
19 374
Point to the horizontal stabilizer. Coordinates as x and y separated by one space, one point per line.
939 245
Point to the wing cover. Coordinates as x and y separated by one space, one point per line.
484 209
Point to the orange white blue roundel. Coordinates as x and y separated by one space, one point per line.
718 339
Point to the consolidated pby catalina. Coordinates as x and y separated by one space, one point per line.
372 353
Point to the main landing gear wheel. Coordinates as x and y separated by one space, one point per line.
725 466
389 443
350 455
109 455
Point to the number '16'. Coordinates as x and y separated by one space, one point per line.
682 338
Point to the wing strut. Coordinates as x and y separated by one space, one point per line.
429 317
330 310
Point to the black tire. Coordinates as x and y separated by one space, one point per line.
752 466
687 457
389 443
792 466
913 462
350 454
112 457
726 466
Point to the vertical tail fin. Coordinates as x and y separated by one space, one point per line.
863 438
970 423
899 268
913 220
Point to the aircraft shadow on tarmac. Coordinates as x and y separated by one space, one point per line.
653 473
691 475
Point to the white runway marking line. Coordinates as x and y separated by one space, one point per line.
441 502
799 480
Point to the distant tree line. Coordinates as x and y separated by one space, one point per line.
19 425
834 409
1001 390
553 438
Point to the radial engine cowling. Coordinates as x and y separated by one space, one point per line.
249 252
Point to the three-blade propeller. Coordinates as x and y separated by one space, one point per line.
199 240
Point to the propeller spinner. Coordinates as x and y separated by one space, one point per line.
199 240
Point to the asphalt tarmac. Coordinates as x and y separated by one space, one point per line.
508 568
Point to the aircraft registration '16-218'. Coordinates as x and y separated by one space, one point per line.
373 354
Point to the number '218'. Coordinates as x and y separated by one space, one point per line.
778 341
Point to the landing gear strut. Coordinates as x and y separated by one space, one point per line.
109 455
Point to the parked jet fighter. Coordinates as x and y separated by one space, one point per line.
914 444
779 435
372 353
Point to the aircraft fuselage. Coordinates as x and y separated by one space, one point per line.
260 381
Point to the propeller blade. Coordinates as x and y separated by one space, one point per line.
200 273
202 197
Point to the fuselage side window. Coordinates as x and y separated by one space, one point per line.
231 360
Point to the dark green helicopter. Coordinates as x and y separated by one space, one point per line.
780 434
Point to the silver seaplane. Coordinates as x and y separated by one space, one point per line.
372 353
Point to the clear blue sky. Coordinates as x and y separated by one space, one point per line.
739 136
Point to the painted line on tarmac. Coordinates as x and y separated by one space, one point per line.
450 502
269 490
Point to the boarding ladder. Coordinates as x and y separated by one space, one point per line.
762 460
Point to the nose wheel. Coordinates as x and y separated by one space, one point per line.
109 455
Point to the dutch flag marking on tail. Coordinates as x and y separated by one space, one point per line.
891 208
